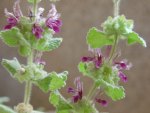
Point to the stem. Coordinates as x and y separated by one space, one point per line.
91 92
116 7
28 90
35 7
113 48
116 13
28 87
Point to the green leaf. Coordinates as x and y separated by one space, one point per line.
10 37
24 50
97 39
5 109
62 105
13 38
33 1
58 80
118 25
54 98
113 91
44 83
135 38
88 69
47 42
4 99
53 81
12 66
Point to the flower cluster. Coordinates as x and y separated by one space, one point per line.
52 21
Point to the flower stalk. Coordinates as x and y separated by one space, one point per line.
28 87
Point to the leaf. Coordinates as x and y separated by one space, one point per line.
11 37
58 80
4 99
118 25
113 91
5 109
12 66
54 98
97 39
53 81
47 42
24 50
135 38
88 69
44 83
59 102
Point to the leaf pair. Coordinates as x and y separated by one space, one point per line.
113 27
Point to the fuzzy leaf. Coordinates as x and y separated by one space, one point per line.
24 50
59 102
135 38
12 66
114 91
53 81
4 99
58 80
118 25
97 39
5 109
44 83
11 37
47 42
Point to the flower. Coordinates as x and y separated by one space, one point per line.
123 65
102 102
37 30
78 92
53 21
13 18
97 59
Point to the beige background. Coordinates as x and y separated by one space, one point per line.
78 16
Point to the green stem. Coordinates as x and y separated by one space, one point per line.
113 48
92 92
28 87
35 7
116 7
28 90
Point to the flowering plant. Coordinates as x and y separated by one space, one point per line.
34 34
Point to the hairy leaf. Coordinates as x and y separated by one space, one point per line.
97 39
48 42
135 38
12 66
5 109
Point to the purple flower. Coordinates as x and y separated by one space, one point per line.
53 21
102 102
123 65
97 59
123 76
37 30
13 19
78 92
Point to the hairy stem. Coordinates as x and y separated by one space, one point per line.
28 90
92 92
114 47
28 87
116 7
116 13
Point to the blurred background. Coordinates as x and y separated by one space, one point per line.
78 16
